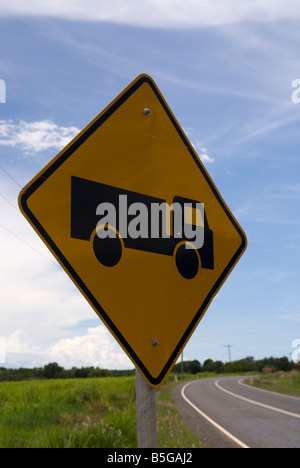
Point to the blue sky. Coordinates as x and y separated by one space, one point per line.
228 79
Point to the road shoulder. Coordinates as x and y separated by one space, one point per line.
205 431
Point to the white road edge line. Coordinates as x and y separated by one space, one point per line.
211 421
263 405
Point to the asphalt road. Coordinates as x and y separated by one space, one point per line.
225 412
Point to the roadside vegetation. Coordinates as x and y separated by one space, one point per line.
281 382
172 431
68 413
53 408
83 413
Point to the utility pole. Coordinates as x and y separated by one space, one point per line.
229 354
181 365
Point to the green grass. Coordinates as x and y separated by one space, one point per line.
281 382
68 413
172 432
83 413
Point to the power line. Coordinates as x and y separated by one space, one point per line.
26 243
8 201
15 208
11 177
15 181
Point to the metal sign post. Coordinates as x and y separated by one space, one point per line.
145 413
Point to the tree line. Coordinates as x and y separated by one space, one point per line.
248 364
55 371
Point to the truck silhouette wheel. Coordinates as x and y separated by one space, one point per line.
108 251
187 261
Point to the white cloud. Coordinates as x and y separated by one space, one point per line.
204 156
157 13
269 125
16 343
95 348
202 153
33 137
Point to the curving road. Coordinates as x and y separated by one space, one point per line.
228 413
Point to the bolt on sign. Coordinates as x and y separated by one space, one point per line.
131 214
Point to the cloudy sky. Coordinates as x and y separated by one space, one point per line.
228 70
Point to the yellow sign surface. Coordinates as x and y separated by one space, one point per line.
138 266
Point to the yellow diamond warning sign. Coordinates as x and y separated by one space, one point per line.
133 217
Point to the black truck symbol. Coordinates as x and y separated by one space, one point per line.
87 195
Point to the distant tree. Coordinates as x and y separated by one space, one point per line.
195 367
284 364
249 364
235 366
208 366
189 367
219 367
84 372
53 370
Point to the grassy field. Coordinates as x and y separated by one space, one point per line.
281 382
83 413
172 431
